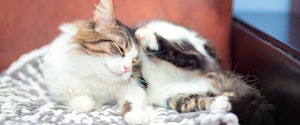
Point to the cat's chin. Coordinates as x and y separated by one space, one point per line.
111 77
123 77
118 76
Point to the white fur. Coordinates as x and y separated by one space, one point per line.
84 82
148 38
177 33
221 103
167 81
142 115
164 79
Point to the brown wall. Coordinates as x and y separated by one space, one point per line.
29 24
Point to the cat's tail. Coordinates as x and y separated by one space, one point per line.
252 109
246 102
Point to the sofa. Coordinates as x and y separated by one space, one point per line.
28 26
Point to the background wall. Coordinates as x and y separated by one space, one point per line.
29 24
269 16
262 5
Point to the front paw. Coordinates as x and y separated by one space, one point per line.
82 103
137 117
221 103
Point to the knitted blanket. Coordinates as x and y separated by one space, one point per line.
24 100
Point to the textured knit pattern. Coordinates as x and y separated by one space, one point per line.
24 100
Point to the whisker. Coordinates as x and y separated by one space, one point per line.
153 53
96 60
126 82
132 75
139 62
250 78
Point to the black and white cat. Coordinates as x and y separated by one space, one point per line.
183 73
92 62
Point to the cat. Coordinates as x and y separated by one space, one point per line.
95 62
183 73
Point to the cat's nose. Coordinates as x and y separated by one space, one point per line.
126 69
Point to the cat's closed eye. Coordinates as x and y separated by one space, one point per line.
120 49
100 41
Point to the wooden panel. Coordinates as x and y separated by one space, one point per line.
29 24
276 70
282 31
295 4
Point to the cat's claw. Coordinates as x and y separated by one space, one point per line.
221 103
137 117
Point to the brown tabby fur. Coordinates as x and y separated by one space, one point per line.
111 41
126 108
247 102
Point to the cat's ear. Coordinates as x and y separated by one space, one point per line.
104 13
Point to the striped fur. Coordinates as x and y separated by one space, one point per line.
95 62
183 73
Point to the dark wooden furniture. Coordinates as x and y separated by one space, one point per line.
266 45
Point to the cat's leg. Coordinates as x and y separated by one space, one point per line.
133 106
82 103
187 102
73 98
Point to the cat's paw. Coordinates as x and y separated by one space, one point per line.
185 103
82 103
137 117
221 103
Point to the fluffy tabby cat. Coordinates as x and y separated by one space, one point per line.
183 73
92 63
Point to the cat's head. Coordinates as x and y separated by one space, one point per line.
102 45
164 43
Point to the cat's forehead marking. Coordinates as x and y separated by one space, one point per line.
121 35
111 40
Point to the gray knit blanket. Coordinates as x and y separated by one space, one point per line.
24 100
